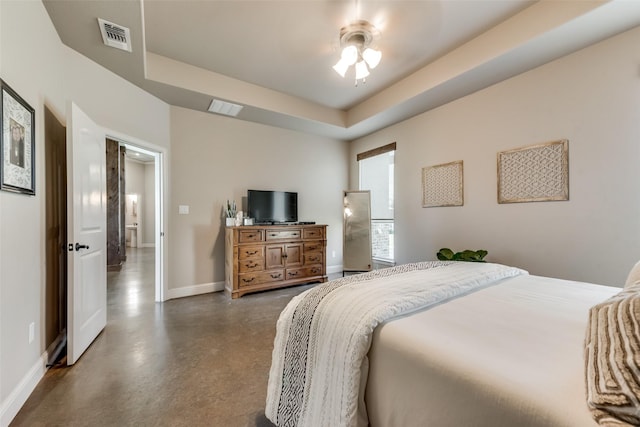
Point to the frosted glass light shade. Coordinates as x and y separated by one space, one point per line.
341 67
361 70
372 57
349 55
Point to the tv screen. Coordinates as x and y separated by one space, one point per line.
272 206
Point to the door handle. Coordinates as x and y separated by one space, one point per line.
79 246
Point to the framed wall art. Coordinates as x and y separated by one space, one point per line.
442 185
534 173
17 156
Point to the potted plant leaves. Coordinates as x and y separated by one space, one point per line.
446 254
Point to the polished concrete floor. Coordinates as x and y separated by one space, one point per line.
196 361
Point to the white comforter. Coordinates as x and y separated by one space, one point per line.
324 334
507 355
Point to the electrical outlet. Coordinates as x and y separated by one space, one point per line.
32 332
183 209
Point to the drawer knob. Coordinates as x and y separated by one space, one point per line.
276 276
249 265
293 273
248 280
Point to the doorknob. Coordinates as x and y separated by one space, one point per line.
79 246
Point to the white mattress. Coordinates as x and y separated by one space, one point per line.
508 355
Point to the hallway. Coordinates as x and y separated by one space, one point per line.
196 361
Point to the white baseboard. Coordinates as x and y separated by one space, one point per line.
189 291
12 404
334 269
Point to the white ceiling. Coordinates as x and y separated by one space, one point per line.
138 155
275 57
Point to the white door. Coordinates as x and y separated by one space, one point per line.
87 223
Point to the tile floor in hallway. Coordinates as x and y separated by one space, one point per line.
196 361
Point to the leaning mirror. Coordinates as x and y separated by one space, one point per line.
357 231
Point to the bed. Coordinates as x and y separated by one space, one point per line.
437 344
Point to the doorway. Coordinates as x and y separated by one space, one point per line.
56 235
57 273
141 222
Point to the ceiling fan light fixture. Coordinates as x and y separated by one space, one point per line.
361 70
349 55
356 41
372 57
341 67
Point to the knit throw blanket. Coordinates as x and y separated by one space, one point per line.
324 334
612 360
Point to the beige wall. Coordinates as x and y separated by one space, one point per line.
148 228
216 158
39 68
135 184
590 98
140 179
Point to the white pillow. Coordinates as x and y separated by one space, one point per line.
634 276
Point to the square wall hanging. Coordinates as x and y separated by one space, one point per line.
442 185
535 173
17 141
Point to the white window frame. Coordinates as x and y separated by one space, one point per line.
376 222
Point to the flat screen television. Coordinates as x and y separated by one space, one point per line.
272 207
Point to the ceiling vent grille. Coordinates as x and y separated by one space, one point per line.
225 108
115 35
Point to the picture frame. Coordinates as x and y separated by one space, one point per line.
535 173
17 143
443 185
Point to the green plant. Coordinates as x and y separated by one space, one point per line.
446 254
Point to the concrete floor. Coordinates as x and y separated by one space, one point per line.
196 361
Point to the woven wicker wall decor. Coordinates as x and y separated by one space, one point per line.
442 185
534 173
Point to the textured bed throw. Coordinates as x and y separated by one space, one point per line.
612 359
324 334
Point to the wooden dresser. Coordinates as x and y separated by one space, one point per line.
261 257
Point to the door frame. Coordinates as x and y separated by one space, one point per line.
160 177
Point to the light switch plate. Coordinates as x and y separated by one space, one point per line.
183 209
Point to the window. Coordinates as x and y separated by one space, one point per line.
376 175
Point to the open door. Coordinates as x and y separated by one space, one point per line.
86 227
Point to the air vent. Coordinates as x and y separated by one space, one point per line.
223 107
115 35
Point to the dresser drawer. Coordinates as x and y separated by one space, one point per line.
313 258
252 279
313 247
248 265
283 234
248 236
245 252
302 272
312 233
